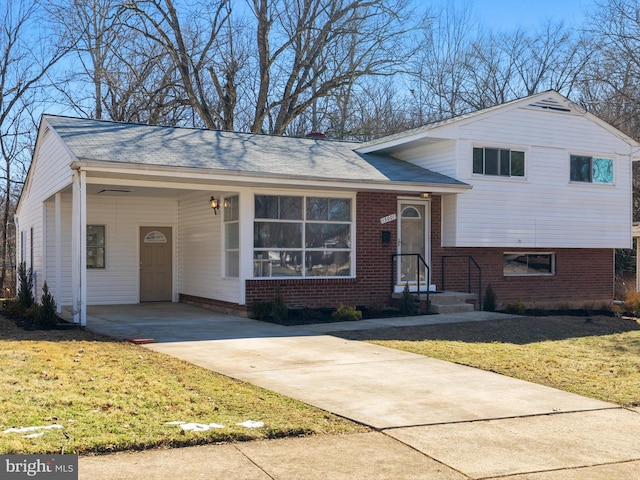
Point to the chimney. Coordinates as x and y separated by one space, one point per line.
315 135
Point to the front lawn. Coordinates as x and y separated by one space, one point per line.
108 396
598 357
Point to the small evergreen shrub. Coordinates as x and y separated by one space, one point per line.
45 315
346 313
490 302
25 286
260 310
279 310
516 308
408 303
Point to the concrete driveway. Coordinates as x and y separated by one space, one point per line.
476 423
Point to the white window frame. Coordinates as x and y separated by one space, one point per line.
320 194
499 149
532 274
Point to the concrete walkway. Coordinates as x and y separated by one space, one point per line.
433 419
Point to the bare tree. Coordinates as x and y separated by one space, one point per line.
24 63
611 87
302 51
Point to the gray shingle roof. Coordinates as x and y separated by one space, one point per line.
257 154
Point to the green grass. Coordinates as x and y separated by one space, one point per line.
112 396
599 358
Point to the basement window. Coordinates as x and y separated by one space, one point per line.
531 264
96 246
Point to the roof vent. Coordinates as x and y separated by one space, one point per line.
550 104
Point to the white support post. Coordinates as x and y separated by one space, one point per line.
79 248
75 248
245 200
58 233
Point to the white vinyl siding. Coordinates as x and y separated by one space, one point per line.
123 216
200 250
438 157
49 174
544 209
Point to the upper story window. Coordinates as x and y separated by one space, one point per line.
498 161
590 169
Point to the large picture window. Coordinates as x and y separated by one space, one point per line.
498 161
296 236
591 170
519 263
96 252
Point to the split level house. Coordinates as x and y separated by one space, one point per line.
531 196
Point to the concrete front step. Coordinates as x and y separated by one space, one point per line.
452 308
446 302
452 302
450 298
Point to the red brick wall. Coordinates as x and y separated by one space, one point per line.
373 269
582 275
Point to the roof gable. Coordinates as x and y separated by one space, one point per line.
550 101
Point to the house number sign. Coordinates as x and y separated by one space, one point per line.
388 218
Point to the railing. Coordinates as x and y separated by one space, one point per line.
470 260
419 260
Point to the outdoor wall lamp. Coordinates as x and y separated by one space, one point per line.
425 195
214 204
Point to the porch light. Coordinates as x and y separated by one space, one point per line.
425 195
214 204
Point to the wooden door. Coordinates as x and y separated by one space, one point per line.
156 266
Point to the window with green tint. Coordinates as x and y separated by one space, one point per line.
590 170
498 162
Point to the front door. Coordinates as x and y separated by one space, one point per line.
156 267
412 239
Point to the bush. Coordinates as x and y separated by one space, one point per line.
346 313
516 308
45 315
490 301
408 303
25 286
260 310
279 310
632 303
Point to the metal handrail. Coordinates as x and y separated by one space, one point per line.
419 259
470 260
